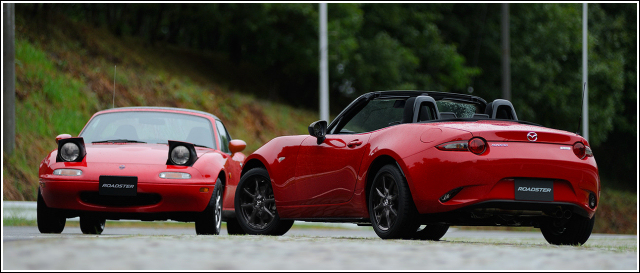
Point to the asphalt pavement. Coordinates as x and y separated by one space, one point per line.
24 248
323 247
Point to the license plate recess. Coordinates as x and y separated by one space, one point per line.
533 189
118 185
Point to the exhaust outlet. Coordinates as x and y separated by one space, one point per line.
558 213
567 214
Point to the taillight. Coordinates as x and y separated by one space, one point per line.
453 146
477 145
580 150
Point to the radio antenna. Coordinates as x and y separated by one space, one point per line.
113 103
584 87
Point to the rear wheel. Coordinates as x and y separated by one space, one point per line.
256 206
432 232
391 207
92 225
49 219
210 220
576 231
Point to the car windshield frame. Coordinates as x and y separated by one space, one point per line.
355 107
163 129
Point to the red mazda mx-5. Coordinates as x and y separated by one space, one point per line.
413 163
145 163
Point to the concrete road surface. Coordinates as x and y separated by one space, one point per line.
24 248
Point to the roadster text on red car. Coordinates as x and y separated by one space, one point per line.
413 163
145 163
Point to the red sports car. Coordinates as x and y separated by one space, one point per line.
413 163
145 163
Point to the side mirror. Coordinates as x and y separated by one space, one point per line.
318 129
237 145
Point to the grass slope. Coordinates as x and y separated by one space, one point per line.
65 73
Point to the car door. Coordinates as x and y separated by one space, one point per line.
327 173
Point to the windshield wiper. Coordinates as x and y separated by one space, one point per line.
119 141
197 145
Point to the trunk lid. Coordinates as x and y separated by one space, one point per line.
513 131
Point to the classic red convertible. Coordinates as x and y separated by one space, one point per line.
413 163
145 163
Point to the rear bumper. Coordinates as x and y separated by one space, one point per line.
506 213
490 177
79 197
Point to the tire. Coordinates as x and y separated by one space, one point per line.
234 228
431 232
49 220
210 220
256 207
91 225
575 232
391 207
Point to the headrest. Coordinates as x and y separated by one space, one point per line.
501 109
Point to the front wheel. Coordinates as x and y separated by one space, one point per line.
49 219
391 207
432 232
91 225
256 206
575 232
210 220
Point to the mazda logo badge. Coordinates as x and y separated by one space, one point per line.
121 167
532 136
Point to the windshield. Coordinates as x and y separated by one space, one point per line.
375 115
149 127
380 113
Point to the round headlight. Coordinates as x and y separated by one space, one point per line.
69 151
180 155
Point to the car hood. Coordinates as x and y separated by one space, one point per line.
131 153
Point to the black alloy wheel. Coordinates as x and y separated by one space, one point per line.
256 207
391 207
91 224
576 231
49 220
210 220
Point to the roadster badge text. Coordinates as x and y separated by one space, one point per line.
534 189
118 186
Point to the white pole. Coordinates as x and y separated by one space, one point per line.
324 65
506 53
585 102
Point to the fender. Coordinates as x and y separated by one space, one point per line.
279 157
210 165
385 143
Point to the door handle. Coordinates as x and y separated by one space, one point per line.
354 143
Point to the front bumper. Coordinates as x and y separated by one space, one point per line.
82 196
